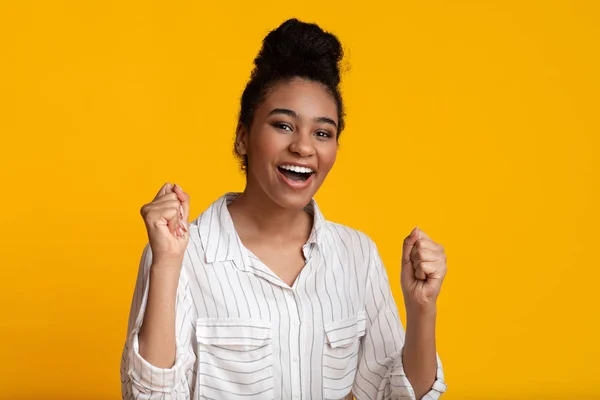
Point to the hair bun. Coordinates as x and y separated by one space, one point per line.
298 48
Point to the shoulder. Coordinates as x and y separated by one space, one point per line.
339 230
350 239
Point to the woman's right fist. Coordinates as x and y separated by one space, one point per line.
166 219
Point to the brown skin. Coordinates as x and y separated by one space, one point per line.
423 271
166 219
269 218
268 215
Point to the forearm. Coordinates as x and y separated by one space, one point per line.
419 354
157 333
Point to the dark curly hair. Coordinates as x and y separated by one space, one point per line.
294 49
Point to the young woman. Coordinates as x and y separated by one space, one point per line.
261 297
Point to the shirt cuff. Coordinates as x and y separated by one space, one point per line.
149 378
402 389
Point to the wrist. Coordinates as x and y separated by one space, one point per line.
421 312
166 269
167 263
420 324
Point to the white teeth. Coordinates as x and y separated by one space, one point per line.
296 168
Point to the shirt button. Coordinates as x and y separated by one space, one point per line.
296 396
295 359
296 323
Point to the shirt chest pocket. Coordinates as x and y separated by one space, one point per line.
340 354
234 358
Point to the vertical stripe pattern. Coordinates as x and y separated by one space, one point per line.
243 333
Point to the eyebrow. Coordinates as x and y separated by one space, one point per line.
292 113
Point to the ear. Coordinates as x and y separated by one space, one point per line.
241 139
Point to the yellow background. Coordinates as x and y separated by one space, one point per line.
475 120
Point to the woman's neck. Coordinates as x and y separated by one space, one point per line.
255 215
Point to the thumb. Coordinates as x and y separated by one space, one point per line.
407 271
408 244
166 188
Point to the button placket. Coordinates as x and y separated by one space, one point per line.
294 340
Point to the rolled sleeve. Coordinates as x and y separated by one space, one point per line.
141 380
401 387
148 378
380 372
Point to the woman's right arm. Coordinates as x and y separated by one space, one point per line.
157 333
158 356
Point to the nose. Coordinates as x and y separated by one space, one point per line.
302 144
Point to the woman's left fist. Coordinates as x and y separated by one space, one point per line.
423 270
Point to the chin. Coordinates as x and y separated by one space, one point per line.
289 198
295 201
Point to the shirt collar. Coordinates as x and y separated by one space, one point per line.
221 242
217 232
317 233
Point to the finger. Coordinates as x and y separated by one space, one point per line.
163 205
166 188
166 197
407 246
165 213
427 240
175 220
183 234
162 216
432 270
423 243
419 254
420 274
423 235
184 198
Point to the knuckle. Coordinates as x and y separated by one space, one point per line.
166 196
172 213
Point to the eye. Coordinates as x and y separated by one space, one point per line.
282 125
323 134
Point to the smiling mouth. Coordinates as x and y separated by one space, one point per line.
295 175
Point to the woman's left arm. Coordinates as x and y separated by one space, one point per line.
423 270
385 346
419 354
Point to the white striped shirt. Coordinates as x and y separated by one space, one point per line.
243 333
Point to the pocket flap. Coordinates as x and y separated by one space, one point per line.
343 333
233 331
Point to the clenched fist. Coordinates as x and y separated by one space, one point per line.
166 219
423 270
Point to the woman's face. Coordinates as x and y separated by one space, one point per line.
292 142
